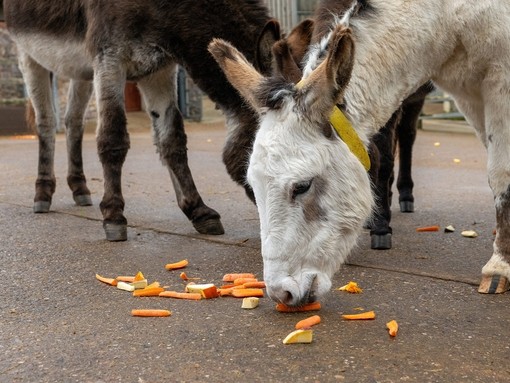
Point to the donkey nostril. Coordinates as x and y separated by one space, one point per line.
287 298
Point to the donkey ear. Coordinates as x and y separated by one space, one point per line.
299 39
239 72
325 86
289 52
269 35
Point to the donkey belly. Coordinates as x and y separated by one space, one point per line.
65 57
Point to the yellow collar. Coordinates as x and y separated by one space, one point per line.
348 135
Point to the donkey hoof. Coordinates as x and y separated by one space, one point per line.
83 200
210 226
493 284
42 206
381 241
115 232
406 206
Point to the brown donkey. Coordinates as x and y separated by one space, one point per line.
100 45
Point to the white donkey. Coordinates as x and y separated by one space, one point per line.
312 191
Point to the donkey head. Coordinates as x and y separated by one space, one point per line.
312 193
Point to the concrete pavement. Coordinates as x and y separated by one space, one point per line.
58 324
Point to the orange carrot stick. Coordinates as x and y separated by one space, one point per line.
150 313
392 327
294 309
227 286
109 281
255 285
308 322
243 293
177 265
242 281
225 292
148 292
178 295
234 276
427 228
125 278
361 316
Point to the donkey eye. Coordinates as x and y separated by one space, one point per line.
301 188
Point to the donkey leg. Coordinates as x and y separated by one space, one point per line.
78 98
160 99
382 177
112 143
38 83
496 273
406 135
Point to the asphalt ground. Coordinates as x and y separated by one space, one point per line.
59 324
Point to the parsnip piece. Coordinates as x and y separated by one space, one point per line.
142 284
250 303
125 286
299 336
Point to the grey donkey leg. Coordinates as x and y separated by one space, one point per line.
112 144
159 95
38 83
78 98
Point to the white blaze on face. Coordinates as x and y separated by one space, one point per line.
313 196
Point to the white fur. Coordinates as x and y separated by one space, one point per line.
295 250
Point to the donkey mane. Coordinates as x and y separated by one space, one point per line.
273 92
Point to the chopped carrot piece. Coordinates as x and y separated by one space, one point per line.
109 281
150 313
225 292
178 295
308 322
242 293
153 284
361 316
125 278
234 276
255 285
227 286
177 265
185 277
351 287
427 228
139 277
241 281
392 327
148 292
314 306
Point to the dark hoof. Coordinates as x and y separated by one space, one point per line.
42 206
381 241
210 226
83 200
493 284
406 206
115 232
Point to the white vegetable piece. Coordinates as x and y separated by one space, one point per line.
250 302
125 286
299 336
469 234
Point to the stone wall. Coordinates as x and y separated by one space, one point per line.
11 82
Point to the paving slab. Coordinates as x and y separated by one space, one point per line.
58 324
